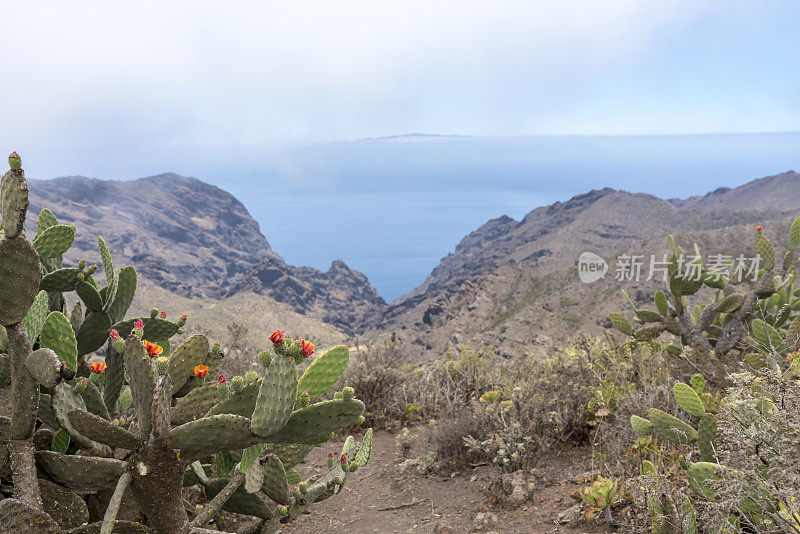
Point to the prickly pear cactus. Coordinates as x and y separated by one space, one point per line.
153 415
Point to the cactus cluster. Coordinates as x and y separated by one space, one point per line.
748 313
753 320
128 433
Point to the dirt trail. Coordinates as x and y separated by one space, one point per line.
379 498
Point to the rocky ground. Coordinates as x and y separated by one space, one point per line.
384 497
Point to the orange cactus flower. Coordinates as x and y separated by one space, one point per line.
277 337
306 347
759 228
153 350
200 371
97 367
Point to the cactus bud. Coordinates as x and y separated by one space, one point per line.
338 395
343 461
222 390
80 276
162 365
347 393
296 492
14 161
182 320
237 383
283 511
81 385
330 460
339 481
360 420
265 358
304 399
115 422
250 377
353 466
215 347
153 313
82 264
92 269
303 488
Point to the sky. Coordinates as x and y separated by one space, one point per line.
104 75
263 96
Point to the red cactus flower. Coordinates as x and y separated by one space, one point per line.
759 228
97 367
277 337
221 378
200 371
343 459
153 350
114 335
138 324
306 347
184 317
330 455
163 315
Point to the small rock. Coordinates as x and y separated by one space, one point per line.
442 528
484 521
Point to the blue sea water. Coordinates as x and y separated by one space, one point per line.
393 207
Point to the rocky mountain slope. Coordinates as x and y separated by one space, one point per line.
196 240
514 284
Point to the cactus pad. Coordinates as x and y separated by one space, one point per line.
731 303
186 356
44 366
36 316
240 502
275 484
89 295
701 472
154 329
195 404
60 280
140 376
63 401
94 332
94 401
54 241
318 420
765 251
13 202
57 335
647 333
688 400
621 323
102 431
365 449
671 427
20 275
126 288
45 220
324 372
213 434
83 473
661 302
276 396
641 425
706 435
239 403
21 518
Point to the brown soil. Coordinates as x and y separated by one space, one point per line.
379 498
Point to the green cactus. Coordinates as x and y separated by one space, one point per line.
158 414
